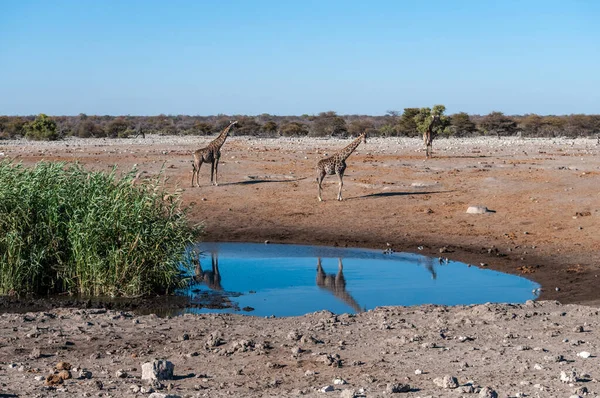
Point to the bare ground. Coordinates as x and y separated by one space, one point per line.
545 226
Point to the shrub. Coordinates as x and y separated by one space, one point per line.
42 128
64 229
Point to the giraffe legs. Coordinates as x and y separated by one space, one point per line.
320 178
216 172
340 177
196 173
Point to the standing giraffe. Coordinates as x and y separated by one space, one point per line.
212 154
336 164
428 136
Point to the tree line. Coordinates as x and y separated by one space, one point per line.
408 123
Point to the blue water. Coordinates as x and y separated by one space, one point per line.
286 280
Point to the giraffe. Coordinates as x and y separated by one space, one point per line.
336 164
336 284
212 278
210 154
428 136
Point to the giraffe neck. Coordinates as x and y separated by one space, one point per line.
347 151
220 140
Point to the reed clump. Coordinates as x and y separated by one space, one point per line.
65 229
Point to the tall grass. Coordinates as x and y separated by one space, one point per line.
65 229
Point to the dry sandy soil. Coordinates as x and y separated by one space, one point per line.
545 198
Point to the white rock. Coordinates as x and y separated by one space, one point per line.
584 354
446 382
339 381
157 370
487 392
327 389
477 210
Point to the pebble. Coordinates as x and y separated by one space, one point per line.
394 388
328 388
446 382
584 354
339 381
487 392
477 210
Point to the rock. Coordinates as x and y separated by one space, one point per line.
327 389
446 382
348 394
393 388
418 372
121 374
35 353
569 377
294 335
487 392
161 395
584 354
477 210
52 380
63 366
64 374
581 391
39 378
84 374
339 381
157 370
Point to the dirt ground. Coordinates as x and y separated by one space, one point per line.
545 199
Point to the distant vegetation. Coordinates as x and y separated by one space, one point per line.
64 229
325 124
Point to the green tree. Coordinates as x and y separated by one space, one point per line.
424 117
117 128
462 124
406 124
42 128
499 124
293 129
329 124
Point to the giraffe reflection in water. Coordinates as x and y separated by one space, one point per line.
211 278
336 284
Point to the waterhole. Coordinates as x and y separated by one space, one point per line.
290 280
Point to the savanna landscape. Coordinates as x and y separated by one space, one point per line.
542 224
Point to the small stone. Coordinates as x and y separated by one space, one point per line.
339 381
487 392
39 378
327 389
584 354
581 390
64 374
393 388
84 374
418 372
35 353
157 370
578 329
309 373
52 380
537 366
121 374
569 377
477 210
446 382
63 366
350 393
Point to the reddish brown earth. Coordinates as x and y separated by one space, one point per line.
545 226
545 194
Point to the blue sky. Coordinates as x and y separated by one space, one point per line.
294 57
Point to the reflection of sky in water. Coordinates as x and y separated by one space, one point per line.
283 280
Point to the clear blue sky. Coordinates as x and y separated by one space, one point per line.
202 57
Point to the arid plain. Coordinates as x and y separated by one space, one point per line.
544 195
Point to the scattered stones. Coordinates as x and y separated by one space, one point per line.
157 370
447 381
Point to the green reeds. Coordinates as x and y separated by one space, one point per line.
65 229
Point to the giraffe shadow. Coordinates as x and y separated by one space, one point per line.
397 193
261 181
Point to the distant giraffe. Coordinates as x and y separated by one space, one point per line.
210 154
211 278
336 284
336 164
429 135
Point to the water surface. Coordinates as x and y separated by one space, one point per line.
289 280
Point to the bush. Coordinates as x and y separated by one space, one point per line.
42 128
64 229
